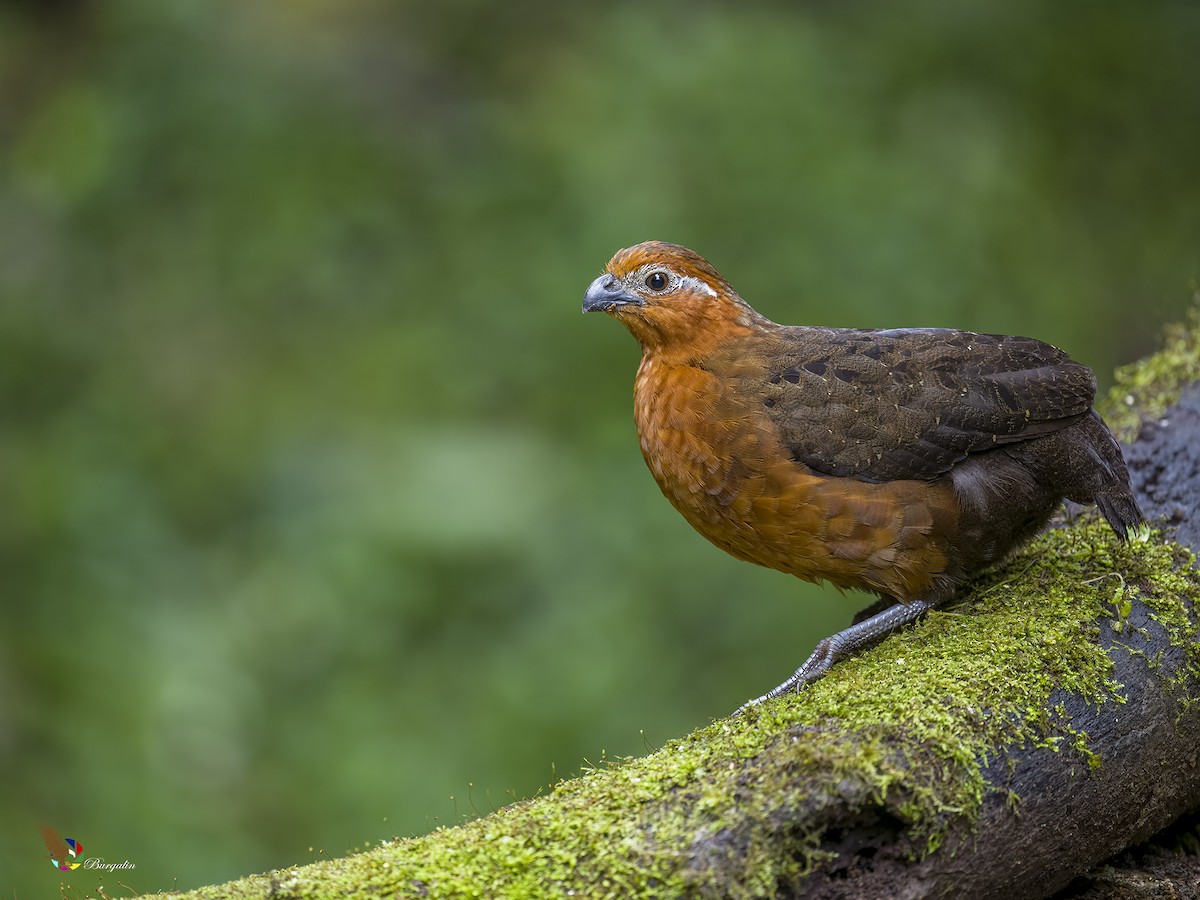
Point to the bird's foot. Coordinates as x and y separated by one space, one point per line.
846 643
814 667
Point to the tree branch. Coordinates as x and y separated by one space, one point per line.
997 749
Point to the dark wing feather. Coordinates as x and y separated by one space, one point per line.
911 403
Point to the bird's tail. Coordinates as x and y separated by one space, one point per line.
1121 509
1111 491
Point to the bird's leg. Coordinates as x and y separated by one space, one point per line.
884 602
847 643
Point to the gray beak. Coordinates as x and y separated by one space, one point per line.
606 293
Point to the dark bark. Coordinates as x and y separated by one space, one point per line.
1165 868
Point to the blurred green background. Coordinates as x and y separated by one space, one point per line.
321 503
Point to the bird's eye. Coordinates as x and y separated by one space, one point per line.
657 281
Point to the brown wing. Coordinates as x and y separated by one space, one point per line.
54 842
911 403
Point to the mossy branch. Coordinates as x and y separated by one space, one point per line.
998 748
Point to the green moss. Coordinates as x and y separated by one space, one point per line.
1145 389
909 726
1178 620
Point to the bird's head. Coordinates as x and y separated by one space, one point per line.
667 294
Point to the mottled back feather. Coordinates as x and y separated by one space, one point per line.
912 403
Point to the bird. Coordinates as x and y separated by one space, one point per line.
62 850
896 461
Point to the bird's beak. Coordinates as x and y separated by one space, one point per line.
606 293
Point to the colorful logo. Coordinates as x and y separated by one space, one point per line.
62 850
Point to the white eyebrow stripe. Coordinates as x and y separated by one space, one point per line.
690 281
